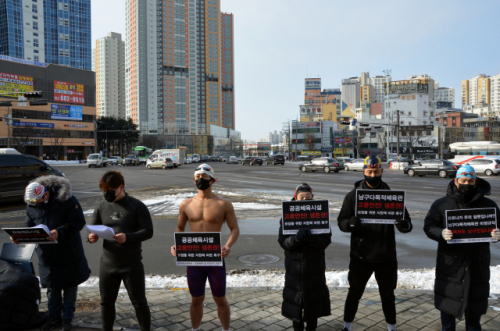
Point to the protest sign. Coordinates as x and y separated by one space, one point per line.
312 214
471 225
199 249
380 206
34 235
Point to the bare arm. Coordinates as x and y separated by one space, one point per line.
181 223
232 223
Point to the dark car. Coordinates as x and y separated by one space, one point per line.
204 158
276 159
325 164
251 160
131 159
436 167
213 159
17 170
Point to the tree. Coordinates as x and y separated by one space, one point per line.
57 138
382 138
358 140
309 142
120 131
25 137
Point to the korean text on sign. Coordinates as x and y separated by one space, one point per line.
198 249
313 214
380 206
471 225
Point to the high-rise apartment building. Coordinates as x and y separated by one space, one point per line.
476 91
495 93
108 62
350 92
179 69
49 31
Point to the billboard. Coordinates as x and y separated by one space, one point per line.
69 92
409 88
65 112
15 83
311 110
305 125
313 84
34 124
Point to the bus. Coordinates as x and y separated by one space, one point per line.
142 153
463 152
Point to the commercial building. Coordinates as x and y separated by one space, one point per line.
64 128
453 117
179 66
446 94
313 138
351 92
482 129
373 89
108 63
49 31
320 105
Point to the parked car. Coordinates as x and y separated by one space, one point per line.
204 158
115 160
345 159
354 165
95 160
196 158
251 160
105 161
276 159
189 160
437 167
131 159
486 166
303 158
213 158
17 170
160 162
325 164
223 158
232 159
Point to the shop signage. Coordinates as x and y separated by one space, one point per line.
14 83
69 92
65 112
33 124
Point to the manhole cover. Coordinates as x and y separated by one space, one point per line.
259 258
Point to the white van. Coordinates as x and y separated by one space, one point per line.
196 158
95 160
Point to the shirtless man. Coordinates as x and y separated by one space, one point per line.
207 212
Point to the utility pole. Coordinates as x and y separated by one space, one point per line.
387 73
397 132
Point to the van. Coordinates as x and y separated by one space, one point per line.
196 158
95 160
17 170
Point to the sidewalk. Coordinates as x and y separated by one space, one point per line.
260 309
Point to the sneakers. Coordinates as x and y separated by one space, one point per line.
51 323
66 325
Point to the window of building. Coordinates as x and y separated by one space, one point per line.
34 8
35 42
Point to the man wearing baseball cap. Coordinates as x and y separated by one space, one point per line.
373 249
207 212
62 266
462 284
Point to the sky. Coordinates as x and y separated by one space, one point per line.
279 43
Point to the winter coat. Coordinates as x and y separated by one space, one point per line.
370 243
19 298
305 282
61 265
462 270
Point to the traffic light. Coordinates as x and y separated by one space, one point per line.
309 140
345 122
364 124
34 94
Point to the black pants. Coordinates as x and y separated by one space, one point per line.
310 325
386 275
110 278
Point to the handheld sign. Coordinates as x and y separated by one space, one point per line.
312 214
380 206
35 235
198 249
471 225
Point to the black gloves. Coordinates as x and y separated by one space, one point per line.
354 222
402 226
302 234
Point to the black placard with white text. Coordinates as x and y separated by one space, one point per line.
199 249
34 235
380 206
471 225
312 214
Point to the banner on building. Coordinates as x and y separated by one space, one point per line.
380 206
34 124
200 249
471 225
306 125
69 92
312 214
315 153
15 83
65 112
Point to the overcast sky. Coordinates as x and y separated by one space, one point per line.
278 43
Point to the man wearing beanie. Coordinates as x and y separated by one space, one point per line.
462 283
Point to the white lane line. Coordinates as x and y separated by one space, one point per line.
88 192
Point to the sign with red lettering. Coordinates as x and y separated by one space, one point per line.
69 92
200 249
471 225
380 206
312 214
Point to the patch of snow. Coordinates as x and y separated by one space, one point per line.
253 205
495 308
56 163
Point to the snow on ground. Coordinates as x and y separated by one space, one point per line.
54 162
421 279
254 205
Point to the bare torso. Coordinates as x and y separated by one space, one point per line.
205 215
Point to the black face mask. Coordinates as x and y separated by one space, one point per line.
109 196
203 184
373 181
466 189
42 205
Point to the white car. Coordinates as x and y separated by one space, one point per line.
354 165
196 158
160 162
115 160
95 160
232 159
189 160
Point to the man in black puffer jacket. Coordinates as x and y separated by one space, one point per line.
305 296
462 284
373 249
62 266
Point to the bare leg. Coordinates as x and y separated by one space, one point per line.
196 311
223 311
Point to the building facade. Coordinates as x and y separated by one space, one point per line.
320 105
476 91
446 94
179 66
108 63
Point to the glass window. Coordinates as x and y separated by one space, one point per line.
33 164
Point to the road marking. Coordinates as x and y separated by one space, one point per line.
87 192
243 181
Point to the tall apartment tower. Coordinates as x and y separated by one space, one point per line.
179 69
476 90
109 65
48 31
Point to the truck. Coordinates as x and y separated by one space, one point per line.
178 156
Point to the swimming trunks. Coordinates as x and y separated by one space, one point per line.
197 278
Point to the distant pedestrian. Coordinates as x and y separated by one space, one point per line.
305 296
462 284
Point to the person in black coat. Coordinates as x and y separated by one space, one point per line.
462 283
373 249
305 296
62 266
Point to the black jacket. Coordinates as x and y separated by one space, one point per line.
63 264
462 270
305 282
371 243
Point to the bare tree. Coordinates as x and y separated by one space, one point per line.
25 137
309 138
382 138
57 138
358 140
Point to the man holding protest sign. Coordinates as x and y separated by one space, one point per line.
305 296
207 212
463 269
373 245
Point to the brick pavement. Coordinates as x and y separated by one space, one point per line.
260 309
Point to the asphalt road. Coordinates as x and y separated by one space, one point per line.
259 236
